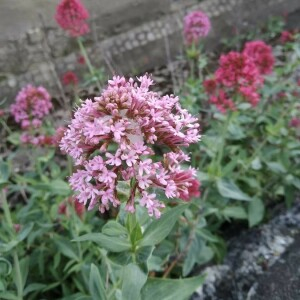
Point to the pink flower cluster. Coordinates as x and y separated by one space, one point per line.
70 78
196 26
31 106
71 16
110 139
261 54
43 140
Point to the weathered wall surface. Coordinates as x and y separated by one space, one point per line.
127 36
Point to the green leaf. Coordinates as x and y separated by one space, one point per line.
5 267
170 289
113 228
14 138
66 248
133 281
60 187
26 229
4 173
8 296
256 210
96 284
276 167
56 187
8 246
228 189
236 132
33 287
110 243
159 229
236 212
133 228
191 256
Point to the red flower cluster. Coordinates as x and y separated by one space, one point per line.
261 54
71 16
237 74
70 78
71 201
240 73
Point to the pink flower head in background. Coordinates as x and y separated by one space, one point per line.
71 16
31 106
196 25
70 78
261 54
286 37
110 139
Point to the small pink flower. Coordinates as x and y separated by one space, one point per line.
196 26
71 16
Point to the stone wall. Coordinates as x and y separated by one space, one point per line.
128 38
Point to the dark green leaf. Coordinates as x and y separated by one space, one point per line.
113 244
228 189
159 229
171 289
133 281
96 284
236 212
113 228
66 248
256 210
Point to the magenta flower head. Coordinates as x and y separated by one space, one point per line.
261 54
196 25
110 139
71 16
31 106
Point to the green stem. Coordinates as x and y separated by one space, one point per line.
217 162
6 209
19 281
88 62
